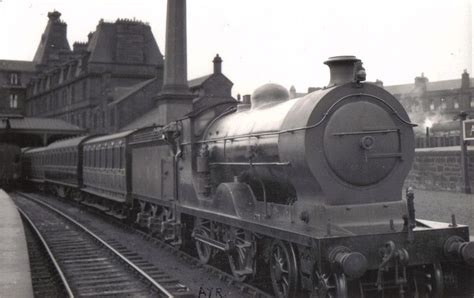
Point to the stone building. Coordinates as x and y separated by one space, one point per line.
104 84
114 73
212 89
442 100
14 76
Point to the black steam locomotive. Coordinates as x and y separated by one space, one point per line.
309 189
10 165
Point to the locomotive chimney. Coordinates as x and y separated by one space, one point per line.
344 69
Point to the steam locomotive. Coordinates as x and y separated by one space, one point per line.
10 165
307 191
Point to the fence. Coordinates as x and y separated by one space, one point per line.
437 141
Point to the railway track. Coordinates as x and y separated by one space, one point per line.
232 288
86 264
46 281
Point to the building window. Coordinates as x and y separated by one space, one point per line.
83 122
73 93
14 79
13 101
443 104
112 118
472 103
432 106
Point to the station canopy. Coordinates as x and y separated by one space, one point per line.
34 131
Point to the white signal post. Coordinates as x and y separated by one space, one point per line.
467 134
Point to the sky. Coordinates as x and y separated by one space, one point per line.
277 41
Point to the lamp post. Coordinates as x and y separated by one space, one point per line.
428 123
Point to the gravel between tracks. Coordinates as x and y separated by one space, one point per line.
197 278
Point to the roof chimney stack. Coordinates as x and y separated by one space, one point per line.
176 70
217 64
175 99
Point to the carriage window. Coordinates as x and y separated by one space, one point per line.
103 161
117 157
93 157
97 157
112 155
106 152
122 157
89 157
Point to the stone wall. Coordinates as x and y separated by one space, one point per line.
440 169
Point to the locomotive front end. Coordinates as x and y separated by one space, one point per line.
321 178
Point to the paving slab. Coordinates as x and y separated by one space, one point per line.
15 276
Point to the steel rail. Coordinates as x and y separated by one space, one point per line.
105 244
50 254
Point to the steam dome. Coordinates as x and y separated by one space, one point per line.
269 93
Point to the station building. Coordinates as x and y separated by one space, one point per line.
102 85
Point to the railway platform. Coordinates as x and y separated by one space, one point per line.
15 277
439 206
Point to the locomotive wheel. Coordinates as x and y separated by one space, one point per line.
430 282
283 269
242 258
331 285
203 227
338 288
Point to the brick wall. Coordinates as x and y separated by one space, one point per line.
440 169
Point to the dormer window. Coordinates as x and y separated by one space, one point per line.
14 79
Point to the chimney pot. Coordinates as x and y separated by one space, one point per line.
54 15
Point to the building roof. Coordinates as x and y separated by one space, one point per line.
17 65
430 86
104 42
70 142
119 135
197 82
40 124
152 118
53 40
121 93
